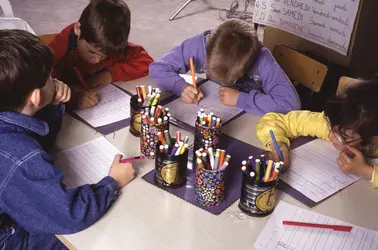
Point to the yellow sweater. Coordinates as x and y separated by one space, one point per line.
294 124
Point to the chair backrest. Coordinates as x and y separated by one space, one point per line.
300 68
47 38
7 8
344 82
14 23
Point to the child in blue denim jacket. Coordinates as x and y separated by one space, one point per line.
34 203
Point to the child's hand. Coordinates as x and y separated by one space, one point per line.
122 173
228 96
285 152
62 92
353 162
87 99
100 80
190 94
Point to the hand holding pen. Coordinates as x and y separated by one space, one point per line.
280 151
190 93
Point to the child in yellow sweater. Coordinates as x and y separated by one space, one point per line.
349 122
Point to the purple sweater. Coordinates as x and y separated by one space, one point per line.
265 88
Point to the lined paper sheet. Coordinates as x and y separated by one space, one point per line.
114 106
210 103
314 171
281 237
87 163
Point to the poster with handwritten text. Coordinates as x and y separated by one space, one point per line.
325 22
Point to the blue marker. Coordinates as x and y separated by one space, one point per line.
276 145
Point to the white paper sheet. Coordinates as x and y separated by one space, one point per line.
114 106
325 22
275 235
210 103
188 78
314 171
87 163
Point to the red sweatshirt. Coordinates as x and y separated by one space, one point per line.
122 68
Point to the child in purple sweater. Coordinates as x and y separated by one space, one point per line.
232 56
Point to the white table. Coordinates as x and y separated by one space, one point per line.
146 217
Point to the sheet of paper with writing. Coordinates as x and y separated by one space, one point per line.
275 235
314 171
87 163
210 103
328 23
114 106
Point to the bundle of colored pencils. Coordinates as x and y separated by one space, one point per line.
147 97
208 120
168 147
262 170
155 115
209 160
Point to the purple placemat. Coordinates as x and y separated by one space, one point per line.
239 152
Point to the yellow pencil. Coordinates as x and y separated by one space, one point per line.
268 170
191 62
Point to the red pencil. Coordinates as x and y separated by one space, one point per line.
304 224
131 159
78 74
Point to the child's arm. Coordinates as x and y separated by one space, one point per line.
135 65
358 165
291 125
279 93
35 197
165 72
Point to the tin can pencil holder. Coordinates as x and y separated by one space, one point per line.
135 116
257 198
170 171
206 137
209 186
148 137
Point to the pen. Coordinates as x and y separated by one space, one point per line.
78 74
276 145
304 224
131 159
191 62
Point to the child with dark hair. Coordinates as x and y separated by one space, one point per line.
97 45
349 122
232 56
34 202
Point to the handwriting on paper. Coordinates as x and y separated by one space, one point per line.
329 23
277 236
314 171
114 106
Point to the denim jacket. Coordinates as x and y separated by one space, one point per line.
33 197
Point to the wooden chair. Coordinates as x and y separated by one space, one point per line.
303 71
47 38
344 82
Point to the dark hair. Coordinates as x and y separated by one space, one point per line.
25 65
106 24
355 109
232 50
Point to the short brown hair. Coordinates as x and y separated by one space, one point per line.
25 65
231 51
106 24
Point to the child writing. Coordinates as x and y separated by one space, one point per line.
95 50
349 122
34 203
231 55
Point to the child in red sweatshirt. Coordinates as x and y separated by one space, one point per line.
95 50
